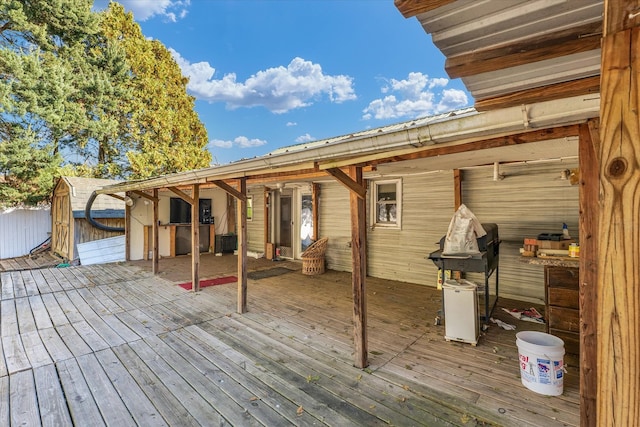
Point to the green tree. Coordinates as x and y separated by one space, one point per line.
167 132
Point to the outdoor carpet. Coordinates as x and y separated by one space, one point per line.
269 272
211 282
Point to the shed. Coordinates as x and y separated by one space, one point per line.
68 223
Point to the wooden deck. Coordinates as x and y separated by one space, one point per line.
113 345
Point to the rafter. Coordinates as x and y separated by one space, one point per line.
409 8
586 86
184 196
570 41
348 182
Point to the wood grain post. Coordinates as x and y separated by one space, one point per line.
154 233
618 274
242 247
359 269
589 211
195 238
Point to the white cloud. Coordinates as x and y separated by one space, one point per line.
240 141
279 89
416 96
171 10
304 138
289 124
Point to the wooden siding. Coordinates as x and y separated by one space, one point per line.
85 232
530 200
255 227
23 230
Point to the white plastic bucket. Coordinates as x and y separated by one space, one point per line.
541 362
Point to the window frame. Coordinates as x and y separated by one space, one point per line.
249 208
375 184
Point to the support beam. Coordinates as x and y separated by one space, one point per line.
195 238
145 195
588 150
229 189
184 196
586 86
409 8
155 256
315 202
242 246
618 274
359 269
457 188
127 232
569 41
354 187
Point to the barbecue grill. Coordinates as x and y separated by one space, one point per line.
484 262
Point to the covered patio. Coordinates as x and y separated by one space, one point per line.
115 345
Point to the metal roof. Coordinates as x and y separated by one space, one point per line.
556 39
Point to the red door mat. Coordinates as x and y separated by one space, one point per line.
211 282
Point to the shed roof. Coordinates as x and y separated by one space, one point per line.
80 190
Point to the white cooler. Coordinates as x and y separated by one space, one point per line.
460 311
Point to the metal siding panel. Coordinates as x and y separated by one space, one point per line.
427 206
255 227
335 223
530 200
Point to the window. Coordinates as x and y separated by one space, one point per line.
387 196
180 211
249 208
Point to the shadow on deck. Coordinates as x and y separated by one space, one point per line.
111 344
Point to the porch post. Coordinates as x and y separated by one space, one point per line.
359 269
315 198
154 234
618 273
242 247
195 238
127 231
588 151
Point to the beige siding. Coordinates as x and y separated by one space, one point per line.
531 199
427 206
335 224
255 227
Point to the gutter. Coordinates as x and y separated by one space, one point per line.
466 128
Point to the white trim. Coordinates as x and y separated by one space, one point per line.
375 203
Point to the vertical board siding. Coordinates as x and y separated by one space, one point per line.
255 227
400 254
335 224
22 230
530 200
85 232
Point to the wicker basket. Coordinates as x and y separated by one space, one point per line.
313 257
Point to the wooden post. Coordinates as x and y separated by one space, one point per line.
195 238
589 211
359 272
618 274
155 255
127 232
267 219
315 202
242 247
457 188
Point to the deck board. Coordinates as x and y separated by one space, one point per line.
114 345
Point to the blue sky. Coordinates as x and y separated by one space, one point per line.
272 73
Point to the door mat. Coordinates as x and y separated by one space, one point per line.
210 282
269 272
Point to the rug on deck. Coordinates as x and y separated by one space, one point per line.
269 272
210 282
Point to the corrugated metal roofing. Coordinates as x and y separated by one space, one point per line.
464 27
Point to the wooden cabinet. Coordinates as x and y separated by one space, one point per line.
562 288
